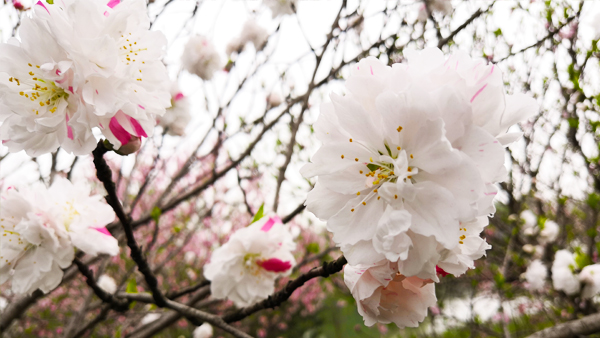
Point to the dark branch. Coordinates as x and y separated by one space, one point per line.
104 174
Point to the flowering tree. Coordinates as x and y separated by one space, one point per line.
166 172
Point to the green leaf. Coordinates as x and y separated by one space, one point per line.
573 122
155 214
388 150
131 286
259 214
313 248
498 32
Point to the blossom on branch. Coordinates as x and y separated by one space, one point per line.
281 7
409 160
81 64
590 277
245 268
41 227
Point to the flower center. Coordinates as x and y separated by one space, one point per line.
129 51
44 93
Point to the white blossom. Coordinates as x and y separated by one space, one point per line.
530 222
79 65
200 57
40 228
281 7
178 116
203 331
245 268
383 295
536 274
107 284
550 232
590 277
251 33
409 160
563 277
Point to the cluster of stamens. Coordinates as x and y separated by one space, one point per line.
46 94
382 172
130 50
10 234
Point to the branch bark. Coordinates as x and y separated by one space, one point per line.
580 327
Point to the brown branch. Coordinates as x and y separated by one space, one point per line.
104 174
576 328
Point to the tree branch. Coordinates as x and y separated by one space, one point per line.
104 174
580 327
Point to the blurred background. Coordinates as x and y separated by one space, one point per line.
250 133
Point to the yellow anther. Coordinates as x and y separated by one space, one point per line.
11 79
350 140
463 237
34 79
356 159
411 156
53 110
41 104
375 190
461 242
358 193
364 203
371 159
31 73
361 171
395 197
409 177
352 210
399 129
37 66
21 93
342 157
375 182
399 148
30 65
378 197
409 169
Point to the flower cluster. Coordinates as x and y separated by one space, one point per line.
407 169
40 228
81 64
245 268
281 7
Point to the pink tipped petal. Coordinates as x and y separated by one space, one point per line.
113 3
42 4
106 13
120 133
103 230
137 127
179 96
269 224
139 105
69 129
274 265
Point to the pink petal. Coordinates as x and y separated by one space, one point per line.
269 224
42 4
117 129
478 92
137 127
103 230
178 96
69 129
113 3
274 265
